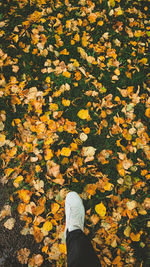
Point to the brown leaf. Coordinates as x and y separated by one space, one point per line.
23 255
38 235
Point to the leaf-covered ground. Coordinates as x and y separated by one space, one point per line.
74 115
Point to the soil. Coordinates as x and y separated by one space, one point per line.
11 240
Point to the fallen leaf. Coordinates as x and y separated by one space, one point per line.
83 114
62 248
135 237
54 207
47 226
66 151
6 211
9 224
127 231
22 255
100 209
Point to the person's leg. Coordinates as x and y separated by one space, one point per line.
80 252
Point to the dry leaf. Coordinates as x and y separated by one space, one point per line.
38 235
47 226
100 209
36 260
127 231
6 211
83 114
23 255
54 207
88 151
66 151
9 224
135 237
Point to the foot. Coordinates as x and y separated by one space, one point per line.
75 212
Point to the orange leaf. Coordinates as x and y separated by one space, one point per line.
21 207
25 195
92 18
48 154
135 237
147 113
117 261
62 248
38 235
67 74
54 207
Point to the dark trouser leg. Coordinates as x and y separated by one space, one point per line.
80 252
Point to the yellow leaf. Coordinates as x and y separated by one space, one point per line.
119 11
60 129
135 237
127 231
17 121
66 102
100 23
66 151
17 181
54 207
16 38
47 226
53 106
108 186
48 79
100 209
83 114
143 60
77 37
111 3
12 152
138 33
62 248
48 141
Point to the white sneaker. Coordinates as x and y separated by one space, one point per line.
75 212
